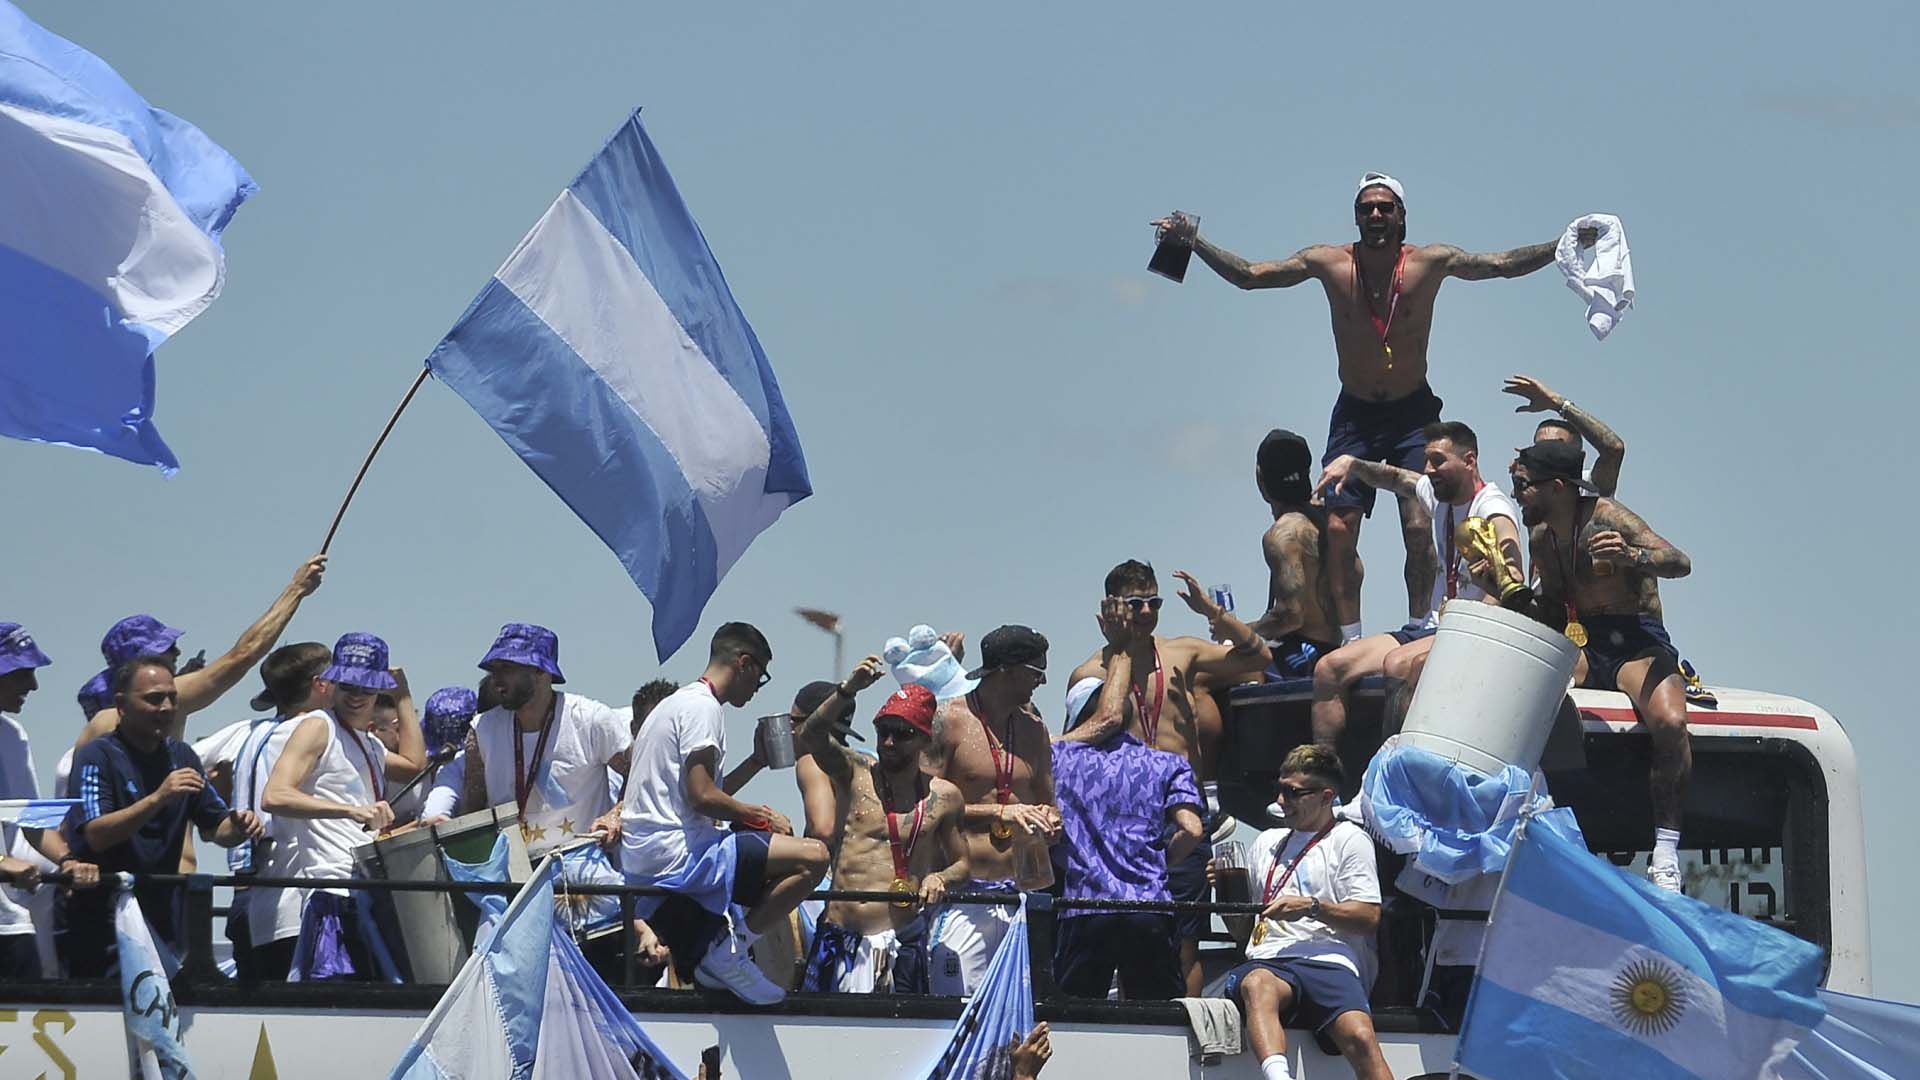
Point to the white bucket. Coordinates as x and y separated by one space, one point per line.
1490 689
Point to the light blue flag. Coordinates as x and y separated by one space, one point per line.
110 218
1596 974
999 1014
153 1022
35 813
1455 822
527 1006
609 354
1862 1038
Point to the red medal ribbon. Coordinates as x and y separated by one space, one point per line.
902 853
1382 326
1150 718
1573 615
522 776
1002 771
1269 891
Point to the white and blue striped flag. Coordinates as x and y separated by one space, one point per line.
526 1005
146 993
1591 973
999 1014
35 813
110 218
609 354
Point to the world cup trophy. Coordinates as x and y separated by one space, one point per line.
1476 540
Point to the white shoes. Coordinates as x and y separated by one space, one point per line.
1667 877
728 967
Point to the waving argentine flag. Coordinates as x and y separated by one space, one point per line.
527 1005
110 219
1594 973
609 354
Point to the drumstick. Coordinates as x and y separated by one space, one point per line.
440 757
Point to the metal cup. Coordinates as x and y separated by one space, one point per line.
775 736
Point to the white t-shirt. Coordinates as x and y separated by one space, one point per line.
1489 501
223 746
272 914
660 829
1337 869
323 847
61 770
570 788
17 781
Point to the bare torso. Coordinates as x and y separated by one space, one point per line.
1356 295
1626 591
967 761
863 853
1304 583
1179 729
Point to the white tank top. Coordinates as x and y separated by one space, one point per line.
323 847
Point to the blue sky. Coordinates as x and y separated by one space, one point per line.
935 219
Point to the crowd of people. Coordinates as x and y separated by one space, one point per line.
968 789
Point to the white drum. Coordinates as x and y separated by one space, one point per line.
436 929
1490 689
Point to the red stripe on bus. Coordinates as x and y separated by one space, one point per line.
1712 718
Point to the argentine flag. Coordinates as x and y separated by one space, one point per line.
609 354
998 1015
35 813
527 1005
1590 972
110 219
153 1021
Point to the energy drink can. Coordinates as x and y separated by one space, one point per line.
1223 596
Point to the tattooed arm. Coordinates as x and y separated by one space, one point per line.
1287 549
1241 274
1479 266
1623 537
1376 474
1609 449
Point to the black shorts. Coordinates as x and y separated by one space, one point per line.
1187 880
19 957
1089 949
1295 656
749 866
1389 431
1617 640
1409 635
1322 991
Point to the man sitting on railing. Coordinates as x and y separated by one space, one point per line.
992 745
138 790
329 791
1117 799
1310 951
896 830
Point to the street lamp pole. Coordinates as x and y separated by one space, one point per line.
830 622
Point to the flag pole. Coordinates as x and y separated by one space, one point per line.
377 443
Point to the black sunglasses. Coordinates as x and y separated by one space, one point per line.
1367 209
1288 791
765 676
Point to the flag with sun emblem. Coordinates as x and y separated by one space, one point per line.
1590 972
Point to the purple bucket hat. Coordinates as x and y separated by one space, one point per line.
360 661
137 635
96 695
525 643
17 649
448 714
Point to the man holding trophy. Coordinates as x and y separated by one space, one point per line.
1600 568
1471 520
1380 291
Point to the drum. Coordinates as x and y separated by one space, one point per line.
437 928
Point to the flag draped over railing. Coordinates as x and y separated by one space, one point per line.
610 355
110 218
999 1014
146 992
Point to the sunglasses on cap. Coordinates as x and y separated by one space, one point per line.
1141 603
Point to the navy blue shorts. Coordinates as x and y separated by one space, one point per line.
1389 431
1089 949
1321 991
1617 640
1295 657
749 866
1406 636
1187 880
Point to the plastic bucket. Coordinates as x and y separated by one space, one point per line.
1490 689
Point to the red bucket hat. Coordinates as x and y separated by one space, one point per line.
915 704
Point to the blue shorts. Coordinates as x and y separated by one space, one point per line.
749 866
1295 656
1389 431
1407 636
1616 640
1090 948
1322 992
1187 880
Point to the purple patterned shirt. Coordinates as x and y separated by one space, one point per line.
1116 799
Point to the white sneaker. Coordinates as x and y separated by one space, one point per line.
728 967
1667 877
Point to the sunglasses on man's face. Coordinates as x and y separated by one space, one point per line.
1288 791
1141 603
894 732
1367 210
765 676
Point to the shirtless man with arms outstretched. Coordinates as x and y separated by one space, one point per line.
1162 676
992 745
894 828
1380 292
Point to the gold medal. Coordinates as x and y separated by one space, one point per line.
1000 829
903 888
1576 633
1259 933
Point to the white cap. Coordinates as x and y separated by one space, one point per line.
1380 179
1077 697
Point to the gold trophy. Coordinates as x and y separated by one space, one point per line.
1476 540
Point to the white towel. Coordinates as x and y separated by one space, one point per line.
1215 1023
1601 275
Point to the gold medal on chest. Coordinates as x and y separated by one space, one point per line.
1577 633
1000 830
903 888
1259 933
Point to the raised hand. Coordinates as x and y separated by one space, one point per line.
1534 395
866 673
956 643
1116 622
307 578
1198 598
